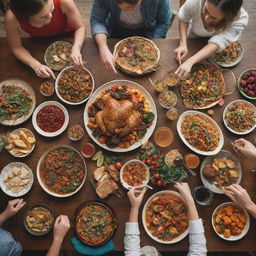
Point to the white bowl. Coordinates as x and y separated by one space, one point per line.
57 85
32 148
226 109
124 183
177 239
246 227
6 170
41 182
206 153
50 134
207 183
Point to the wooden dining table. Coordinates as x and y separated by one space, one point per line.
10 67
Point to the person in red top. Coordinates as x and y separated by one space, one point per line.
43 18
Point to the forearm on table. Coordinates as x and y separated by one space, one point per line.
192 211
204 53
79 37
252 209
55 247
24 56
134 213
183 28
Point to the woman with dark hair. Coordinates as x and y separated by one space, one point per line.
221 20
43 18
125 18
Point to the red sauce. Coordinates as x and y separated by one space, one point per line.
88 150
50 118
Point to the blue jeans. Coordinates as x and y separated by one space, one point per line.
8 246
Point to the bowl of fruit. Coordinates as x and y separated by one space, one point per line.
247 83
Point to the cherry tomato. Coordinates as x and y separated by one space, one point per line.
118 165
148 154
156 175
157 165
159 183
149 161
155 157
153 181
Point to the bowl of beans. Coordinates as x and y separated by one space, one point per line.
75 132
50 118
134 173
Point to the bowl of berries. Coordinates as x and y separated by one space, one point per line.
247 83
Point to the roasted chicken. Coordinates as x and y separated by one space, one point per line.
117 116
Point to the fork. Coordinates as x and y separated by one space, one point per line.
231 142
180 161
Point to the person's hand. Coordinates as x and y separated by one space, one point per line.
181 52
61 227
76 56
13 207
135 196
246 148
239 195
43 71
185 191
184 68
108 60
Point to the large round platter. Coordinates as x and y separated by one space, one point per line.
175 240
232 130
229 64
206 153
150 102
40 163
7 170
108 217
23 85
195 92
128 68
72 68
50 134
245 229
55 50
210 184
241 89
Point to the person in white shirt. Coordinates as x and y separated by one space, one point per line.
221 20
197 239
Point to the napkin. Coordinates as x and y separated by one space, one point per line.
92 251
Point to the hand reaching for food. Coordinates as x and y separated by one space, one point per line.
246 148
181 53
135 196
108 60
76 56
240 196
61 227
43 71
13 207
184 68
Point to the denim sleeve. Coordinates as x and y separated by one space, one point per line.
164 14
9 247
99 15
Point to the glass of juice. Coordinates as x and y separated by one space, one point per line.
202 195
163 137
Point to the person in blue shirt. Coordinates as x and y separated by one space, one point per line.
125 18
9 247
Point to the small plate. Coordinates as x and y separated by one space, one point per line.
50 134
233 131
57 85
31 149
6 170
125 184
207 183
246 227
25 222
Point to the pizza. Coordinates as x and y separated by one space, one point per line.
136 55
203 88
